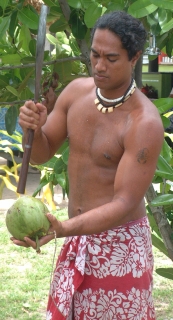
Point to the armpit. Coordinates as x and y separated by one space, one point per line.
142 155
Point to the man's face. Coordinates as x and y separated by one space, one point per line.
109 60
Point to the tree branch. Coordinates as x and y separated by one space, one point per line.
30 65
162 222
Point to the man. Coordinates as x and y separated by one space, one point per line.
115 136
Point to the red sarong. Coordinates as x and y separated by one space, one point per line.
105 276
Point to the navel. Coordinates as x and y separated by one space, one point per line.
107 156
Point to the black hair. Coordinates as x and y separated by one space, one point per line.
129 29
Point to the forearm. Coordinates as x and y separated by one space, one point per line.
40 151
97 220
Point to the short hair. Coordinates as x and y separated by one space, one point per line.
129 29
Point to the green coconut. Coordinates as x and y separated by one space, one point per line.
26 218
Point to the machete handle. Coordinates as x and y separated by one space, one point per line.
25 161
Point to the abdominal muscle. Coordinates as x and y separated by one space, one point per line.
92 186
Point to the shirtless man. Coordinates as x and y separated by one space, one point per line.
104 270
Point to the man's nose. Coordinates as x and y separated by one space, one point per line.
100 65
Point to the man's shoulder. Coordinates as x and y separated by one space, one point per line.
85 83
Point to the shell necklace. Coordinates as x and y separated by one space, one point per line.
103 107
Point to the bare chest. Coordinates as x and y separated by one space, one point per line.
93 134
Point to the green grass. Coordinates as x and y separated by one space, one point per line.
25 279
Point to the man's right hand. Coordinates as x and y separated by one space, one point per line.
32 116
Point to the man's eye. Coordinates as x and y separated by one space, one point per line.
112 60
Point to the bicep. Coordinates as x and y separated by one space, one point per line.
138 164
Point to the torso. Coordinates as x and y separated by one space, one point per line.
96 143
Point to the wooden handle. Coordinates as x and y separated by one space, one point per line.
25 162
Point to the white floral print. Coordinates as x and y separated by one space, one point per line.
106 276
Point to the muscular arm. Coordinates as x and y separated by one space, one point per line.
49 132
134 174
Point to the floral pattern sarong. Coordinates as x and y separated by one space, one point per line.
106 276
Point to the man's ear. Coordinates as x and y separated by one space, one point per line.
135 58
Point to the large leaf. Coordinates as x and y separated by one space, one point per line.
165 4
166 152
4 4
165 272
4 81
92 13
13 24
166 122
116 5
59 25
141 8
163 104
163 165
12 90
24 38
11 59
29 18
4 25
11 119
59 166
75 4
77 26
50 3
167 26
25 81
162 200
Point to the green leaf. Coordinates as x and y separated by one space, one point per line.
29 18
92 13
12 90
159 244
166 152
165 4
60 179
50 3
163 104
11 119
4 4
11 59
55 11
116 5
59 166
13 24
59 25
65 155
163 165
78 28
167 26
63 69
4 81
165 121
52 40
25 37
162 200
25 81
141 8
32 47
4 25
75 4
165 272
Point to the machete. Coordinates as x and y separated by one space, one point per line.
38 70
